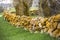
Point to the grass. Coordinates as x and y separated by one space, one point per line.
12 10
9 32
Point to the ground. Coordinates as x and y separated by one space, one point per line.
10 32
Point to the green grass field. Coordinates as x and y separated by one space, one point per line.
9 32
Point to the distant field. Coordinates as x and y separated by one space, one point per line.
12 9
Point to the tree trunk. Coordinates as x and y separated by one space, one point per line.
40 9
46 8
19 8
27 5
22 8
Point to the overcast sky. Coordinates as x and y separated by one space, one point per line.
6 1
